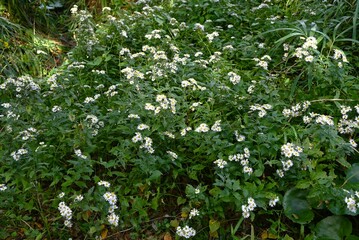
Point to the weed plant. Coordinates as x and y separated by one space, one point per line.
197 119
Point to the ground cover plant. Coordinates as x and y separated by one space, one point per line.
203 119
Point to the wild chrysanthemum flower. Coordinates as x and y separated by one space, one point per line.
172 154
3 187
216 126
273 201
78 198
194 212
104 183
202 128
353 143
113 219
220 163
110 197
142 127
185 232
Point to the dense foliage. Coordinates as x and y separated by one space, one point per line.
199 118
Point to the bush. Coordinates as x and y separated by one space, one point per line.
185 119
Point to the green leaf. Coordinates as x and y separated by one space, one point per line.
333 228
214 225
353 174
303 184
296 206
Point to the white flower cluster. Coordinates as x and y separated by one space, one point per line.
21 84
148 145
215 57
194 212
3 187
185 130
194 105
220 163
296 110
169 134
198 26
239 137
91 99
340 55
319 119
78 198
133 116
16 155
111 91
243 159
146 142
352 203
76 65
165 103
304 51
192 83
185 232
28 133
246 209
273 201
172 154
104 183
142 127
345 125
66 213
56 109
211 36
234 78
111 198
261 108
263 61
132 74
216 127
94 124
289 150
155 34
79 154
203 127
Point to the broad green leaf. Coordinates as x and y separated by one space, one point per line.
296 206
353 174
214 225
333 228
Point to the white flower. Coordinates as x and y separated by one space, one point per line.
353 143
309 58
104 183
78 198
194 212
216 126
110 197
220 163
61 195
185 232
273 201
142 127
172 154
113 219
3 187
197 191
248 170
202 128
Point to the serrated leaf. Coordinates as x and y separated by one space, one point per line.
303 184
296 206
343 162
333 228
